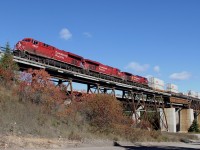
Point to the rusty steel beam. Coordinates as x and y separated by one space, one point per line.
177 100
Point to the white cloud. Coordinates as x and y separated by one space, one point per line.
156 69
137 67
65 34
180 76
87 34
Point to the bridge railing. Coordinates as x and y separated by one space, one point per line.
2 49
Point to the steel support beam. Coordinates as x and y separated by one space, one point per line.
100 89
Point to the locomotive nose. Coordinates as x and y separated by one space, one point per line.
18 46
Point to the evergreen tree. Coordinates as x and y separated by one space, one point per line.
7 57
194 127
7 66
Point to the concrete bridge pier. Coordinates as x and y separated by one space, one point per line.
178 120
186 119
198 119
136 115
170 119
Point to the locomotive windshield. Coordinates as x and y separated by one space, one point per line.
27 40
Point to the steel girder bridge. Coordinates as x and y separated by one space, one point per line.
143 103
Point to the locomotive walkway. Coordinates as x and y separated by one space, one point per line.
172 112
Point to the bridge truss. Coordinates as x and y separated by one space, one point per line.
144 104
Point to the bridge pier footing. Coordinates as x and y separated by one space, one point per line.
186 119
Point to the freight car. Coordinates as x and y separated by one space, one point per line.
38 51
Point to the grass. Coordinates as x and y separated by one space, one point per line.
21 118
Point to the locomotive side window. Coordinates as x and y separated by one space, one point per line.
35 42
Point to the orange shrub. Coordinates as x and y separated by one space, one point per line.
104 113
37 88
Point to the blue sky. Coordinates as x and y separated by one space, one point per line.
160 38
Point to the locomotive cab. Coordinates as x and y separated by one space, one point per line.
24 44
27 40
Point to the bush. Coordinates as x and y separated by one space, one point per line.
104 113
37 88
99 113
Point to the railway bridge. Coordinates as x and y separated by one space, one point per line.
165 111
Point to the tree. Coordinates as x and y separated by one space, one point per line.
194 127
4 62
8 67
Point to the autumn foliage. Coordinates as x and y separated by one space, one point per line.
99 113
37 87
103 113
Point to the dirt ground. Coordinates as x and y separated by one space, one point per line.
12 142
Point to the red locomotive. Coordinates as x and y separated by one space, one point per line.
33 47
104 69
